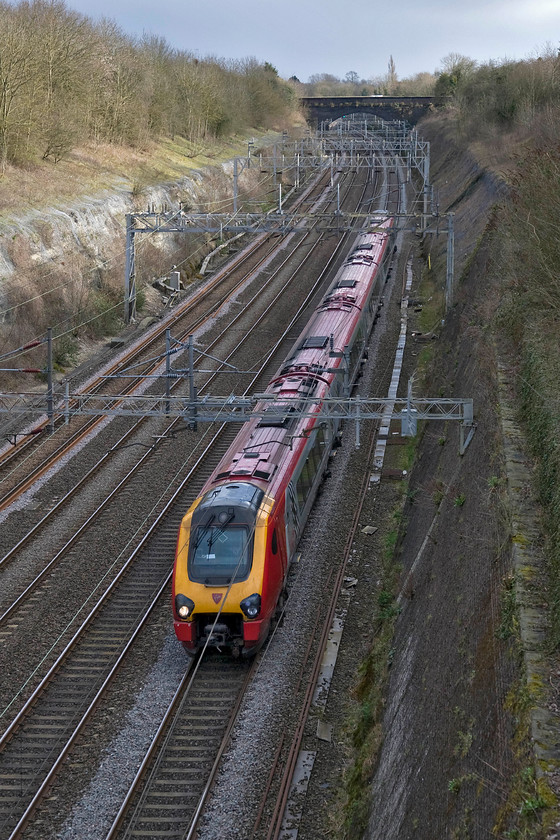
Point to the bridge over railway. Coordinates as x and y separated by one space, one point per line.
409 108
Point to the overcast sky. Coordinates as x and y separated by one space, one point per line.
303 37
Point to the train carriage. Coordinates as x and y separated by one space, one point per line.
236 541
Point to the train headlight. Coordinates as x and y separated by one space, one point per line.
251 606
183 606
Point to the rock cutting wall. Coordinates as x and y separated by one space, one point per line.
447 762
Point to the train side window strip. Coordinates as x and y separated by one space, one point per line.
311 467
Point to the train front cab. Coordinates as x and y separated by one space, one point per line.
230 567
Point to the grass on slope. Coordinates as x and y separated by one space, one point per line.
94 169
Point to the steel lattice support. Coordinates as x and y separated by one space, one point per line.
235 409
130 271
281 222
355 143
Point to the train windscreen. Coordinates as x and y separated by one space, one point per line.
220 553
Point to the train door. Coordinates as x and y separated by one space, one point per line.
292 521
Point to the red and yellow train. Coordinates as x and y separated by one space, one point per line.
236 541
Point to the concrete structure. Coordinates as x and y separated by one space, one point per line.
409 108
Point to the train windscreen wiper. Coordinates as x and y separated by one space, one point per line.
220 529
203 530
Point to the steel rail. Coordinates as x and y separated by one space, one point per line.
275 824
282 797
78 435
180 313
132 792
289 768
48 568
6 501
46 682
171 722
192 828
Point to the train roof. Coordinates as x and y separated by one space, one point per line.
266 447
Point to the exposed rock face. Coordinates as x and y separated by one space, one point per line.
447 759
53 260
88 226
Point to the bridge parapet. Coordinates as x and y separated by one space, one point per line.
409 108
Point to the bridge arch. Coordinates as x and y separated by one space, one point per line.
329 108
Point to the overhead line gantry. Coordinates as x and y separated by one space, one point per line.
353 144
369 142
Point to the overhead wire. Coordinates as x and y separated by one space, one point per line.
99 315
77 325
69 282
121 300
107 574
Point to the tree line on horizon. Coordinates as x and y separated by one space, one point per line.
389 84
505 94
66 80
500 94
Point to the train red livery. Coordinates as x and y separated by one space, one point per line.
236 541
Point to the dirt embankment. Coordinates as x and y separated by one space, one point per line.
62 238
457 761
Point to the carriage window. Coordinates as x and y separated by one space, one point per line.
311 467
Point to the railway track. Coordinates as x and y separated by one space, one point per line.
137 815
272 817
48 724
195 731
34 746
78 531
281 802
144 817
32 456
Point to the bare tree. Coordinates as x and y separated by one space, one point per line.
65 80
391 76
455 64
63 39
16 60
